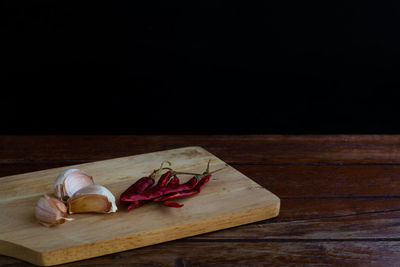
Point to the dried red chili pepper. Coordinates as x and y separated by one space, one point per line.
164 179
202 182
185 193
175 195
139 186
204 178
173 182
136 204
157 191
173 204
168 188
162 182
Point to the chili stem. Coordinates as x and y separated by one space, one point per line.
197 175
187 173
161 168
217 170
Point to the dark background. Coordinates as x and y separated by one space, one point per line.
289 67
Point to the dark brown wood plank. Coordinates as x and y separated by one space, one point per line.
254 149
310 209
291 253
19 168
308 181
369 226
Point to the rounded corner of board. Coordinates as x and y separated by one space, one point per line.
16 251
278 208
41 261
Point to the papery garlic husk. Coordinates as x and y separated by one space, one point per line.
70 181
50 211
92 198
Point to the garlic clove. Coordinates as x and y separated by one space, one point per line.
89 203
50 211
69 181
92 198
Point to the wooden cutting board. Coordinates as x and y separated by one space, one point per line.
229 199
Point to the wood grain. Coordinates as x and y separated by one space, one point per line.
248 253
367 227
340 199
253 149
327 181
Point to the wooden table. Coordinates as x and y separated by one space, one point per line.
340 196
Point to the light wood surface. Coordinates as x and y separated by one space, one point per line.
229 199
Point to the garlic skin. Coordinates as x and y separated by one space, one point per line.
92 198
69 181
50 211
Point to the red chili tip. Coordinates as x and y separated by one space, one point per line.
173 204
132 206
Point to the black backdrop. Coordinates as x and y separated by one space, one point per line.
219 67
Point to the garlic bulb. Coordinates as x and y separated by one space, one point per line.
50 211
70 181
92 198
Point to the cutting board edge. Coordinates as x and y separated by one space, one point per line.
87 251
20 252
